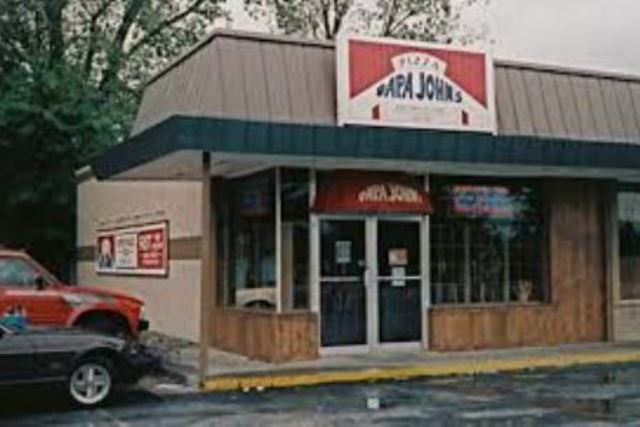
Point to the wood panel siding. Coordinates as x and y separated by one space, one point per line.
269 336
576 311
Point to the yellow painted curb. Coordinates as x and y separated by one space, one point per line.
465 367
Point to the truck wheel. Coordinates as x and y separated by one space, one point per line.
109 325
91 381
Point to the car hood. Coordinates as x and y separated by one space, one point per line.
90 290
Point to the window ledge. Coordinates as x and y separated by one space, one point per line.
493 305
261 311
627 302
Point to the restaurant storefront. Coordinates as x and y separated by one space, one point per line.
414 215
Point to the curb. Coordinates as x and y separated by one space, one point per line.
466 367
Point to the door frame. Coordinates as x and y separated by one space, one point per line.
408 345
371 280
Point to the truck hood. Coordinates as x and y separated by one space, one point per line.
97 291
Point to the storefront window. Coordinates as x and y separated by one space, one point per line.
629 238
246 238
246 241
294 202
487 242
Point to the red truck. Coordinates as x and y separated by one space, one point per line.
29 287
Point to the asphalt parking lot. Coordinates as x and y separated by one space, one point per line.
591 395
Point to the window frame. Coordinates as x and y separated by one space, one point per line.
225 238
539 185
617 255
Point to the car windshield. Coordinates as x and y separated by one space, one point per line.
19 272
16 272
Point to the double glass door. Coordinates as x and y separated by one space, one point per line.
370 277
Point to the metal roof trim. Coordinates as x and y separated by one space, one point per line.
180 132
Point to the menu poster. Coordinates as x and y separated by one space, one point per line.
135 250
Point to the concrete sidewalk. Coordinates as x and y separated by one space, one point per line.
230 371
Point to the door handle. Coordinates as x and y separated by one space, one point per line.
368 277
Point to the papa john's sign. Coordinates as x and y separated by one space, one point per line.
370 192
385 82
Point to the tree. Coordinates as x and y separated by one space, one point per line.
319 19
426 20
71 72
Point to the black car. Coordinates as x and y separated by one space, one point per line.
89 365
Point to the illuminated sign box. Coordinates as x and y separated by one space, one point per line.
398 83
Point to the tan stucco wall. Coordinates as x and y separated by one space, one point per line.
172 303
112 204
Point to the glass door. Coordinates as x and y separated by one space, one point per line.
343 291
399 280
370 281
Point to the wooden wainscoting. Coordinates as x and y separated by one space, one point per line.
266 335
577 311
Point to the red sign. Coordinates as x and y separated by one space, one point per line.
135 250
363 192
151 248
411 84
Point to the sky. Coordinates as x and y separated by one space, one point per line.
588 34
594 34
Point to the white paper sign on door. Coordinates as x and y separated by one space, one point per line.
343 251
398 277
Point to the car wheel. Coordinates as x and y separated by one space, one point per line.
91 382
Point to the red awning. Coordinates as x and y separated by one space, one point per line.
371 192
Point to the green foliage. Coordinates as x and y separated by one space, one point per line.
319 19
71 72
426 20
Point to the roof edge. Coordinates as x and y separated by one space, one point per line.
180 132
242 35
561 69
83 174
285 39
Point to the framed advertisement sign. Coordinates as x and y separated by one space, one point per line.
399 83
136 250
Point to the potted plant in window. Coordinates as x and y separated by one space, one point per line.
525 289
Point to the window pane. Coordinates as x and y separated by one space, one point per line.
629 236
246 241
294 202
486 241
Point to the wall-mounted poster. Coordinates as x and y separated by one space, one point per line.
134 250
